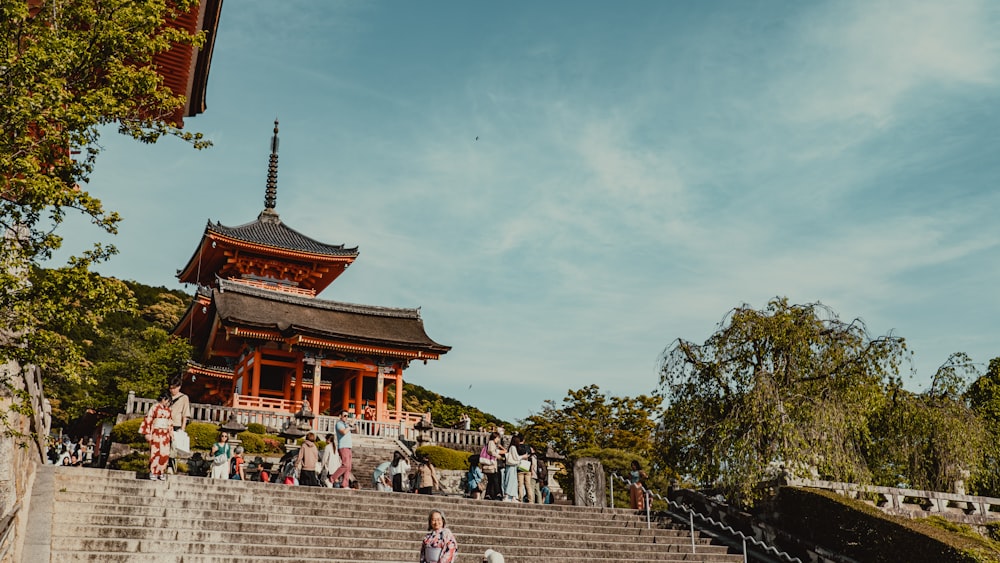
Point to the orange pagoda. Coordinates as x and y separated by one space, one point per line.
264 341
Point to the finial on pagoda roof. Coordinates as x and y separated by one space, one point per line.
271 194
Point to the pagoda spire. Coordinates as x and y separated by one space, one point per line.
271 194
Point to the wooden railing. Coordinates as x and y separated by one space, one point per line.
265 403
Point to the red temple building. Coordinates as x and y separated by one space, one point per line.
262 338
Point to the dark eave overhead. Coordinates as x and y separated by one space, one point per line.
269 231
241 305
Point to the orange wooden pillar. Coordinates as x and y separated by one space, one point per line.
380 395
399 394
359 382
255 377
346 399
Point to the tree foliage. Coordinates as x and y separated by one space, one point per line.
928 440
984 399
788 386
67 68
587 418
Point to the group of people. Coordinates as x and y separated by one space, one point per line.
65 451
511 472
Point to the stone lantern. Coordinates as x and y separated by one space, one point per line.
233 427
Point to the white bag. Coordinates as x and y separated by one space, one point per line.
181 443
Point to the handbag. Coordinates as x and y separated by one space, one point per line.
181 443
220 459
524 465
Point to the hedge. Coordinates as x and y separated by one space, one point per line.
445 458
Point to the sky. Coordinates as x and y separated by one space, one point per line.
566 188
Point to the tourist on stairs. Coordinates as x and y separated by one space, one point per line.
306 461
157 429
397 472
439 545
512 458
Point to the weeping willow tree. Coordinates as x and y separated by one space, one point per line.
786 388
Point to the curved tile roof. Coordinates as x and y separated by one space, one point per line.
268 230
291 314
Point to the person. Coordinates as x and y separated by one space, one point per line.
221 452
180 404
380 478
197 466
238 470
330 461
439 545
489 459
427 478
475 479
342 477
512 459
541 480
156 428
636 490
397 471
466 421
525 474
306 461
492 557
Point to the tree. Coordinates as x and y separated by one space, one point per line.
588 418
789 386
67 68
929 440
984 399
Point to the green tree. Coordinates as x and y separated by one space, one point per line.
928 440
68 67
984 399
587 418
788 386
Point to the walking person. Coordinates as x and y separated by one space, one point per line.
330 461
343 431
397 471
156 429
439 545
489 462
307 460
636 488
221 453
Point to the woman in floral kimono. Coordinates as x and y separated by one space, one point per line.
439 544
158 430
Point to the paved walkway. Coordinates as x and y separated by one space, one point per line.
38 539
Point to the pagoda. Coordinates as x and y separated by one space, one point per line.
264 341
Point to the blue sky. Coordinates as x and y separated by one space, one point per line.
641 168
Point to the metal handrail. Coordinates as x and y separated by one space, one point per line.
692 513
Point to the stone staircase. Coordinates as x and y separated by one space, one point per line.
102 515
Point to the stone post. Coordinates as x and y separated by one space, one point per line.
589 482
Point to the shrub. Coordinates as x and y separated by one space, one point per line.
273 445
135 461
128 433
252 443
445 458
256 428
202 434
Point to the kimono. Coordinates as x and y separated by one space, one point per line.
158 429
439 547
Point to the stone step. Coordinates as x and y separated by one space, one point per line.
96 524
111 516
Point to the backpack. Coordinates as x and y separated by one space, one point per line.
542 473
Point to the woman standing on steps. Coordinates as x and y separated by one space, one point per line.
157 429
489 458
221 452
439 545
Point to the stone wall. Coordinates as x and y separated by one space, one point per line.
19 456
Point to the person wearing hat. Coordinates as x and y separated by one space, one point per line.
492 557
343 431
439 545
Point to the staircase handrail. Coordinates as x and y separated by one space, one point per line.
692 513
